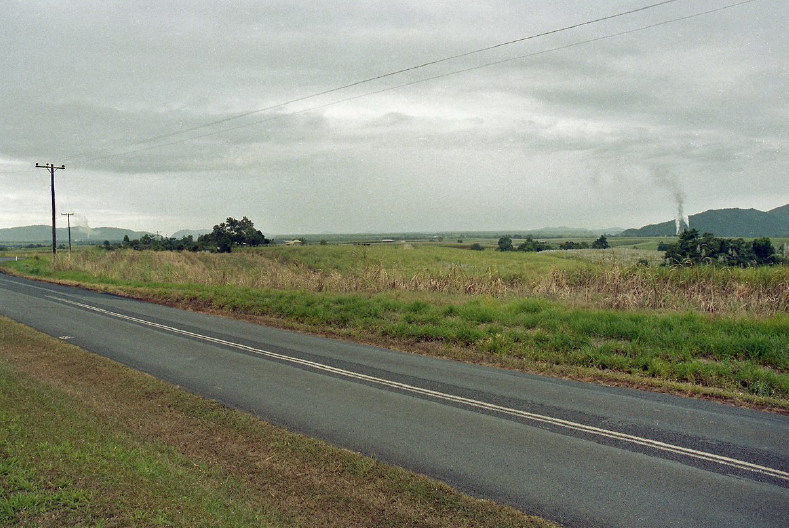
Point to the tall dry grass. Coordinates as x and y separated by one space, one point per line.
761 291
253 270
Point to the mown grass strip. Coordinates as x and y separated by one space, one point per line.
62 464
87 442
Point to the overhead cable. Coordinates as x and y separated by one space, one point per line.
398 86
152 139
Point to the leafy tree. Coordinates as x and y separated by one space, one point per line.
712 248
600 243
763 250
232 233
739 253
533 245
574 245
505 244
687 250
146 241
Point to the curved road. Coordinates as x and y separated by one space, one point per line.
578 454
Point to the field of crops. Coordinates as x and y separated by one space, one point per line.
581 278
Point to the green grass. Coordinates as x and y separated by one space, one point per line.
62 465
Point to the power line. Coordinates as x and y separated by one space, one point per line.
384 76
411 83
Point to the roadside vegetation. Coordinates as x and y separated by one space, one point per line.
87 442
587 314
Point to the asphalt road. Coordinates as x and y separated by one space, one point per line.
575 453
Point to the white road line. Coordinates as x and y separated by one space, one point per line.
575 426
15 283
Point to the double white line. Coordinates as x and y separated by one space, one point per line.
557 422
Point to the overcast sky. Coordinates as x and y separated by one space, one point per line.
603 134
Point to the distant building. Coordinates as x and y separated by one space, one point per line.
296 242
387 241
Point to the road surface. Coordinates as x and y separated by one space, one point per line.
578 454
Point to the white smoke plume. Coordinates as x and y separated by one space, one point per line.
668 180
680 220
80 223
79 220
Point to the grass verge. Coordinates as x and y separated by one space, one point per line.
87 442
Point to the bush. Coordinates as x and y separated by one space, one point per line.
600 243
533 245
505 244
573 245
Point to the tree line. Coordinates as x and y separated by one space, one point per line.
222 239
692 249
529 244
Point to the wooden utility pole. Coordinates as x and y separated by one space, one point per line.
52 168
68 219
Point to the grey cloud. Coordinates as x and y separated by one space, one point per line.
558 132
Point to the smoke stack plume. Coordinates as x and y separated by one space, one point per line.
80 222
667 180
680 221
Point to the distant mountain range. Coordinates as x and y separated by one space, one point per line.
745 223
39 234
42 234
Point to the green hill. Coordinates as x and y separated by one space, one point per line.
746 223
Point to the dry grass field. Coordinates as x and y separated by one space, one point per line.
591 278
